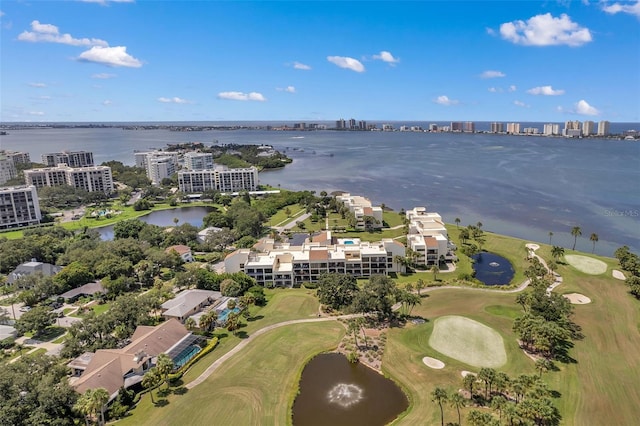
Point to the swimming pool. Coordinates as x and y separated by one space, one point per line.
184 356
222 316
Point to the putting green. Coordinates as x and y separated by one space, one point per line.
468 341
586 264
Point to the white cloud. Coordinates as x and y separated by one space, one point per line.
346 62
38 85
36 113
288 89
50 34
1 14
106 102
103 76
386 57
583 108
495 89
513 88
444 100
545 90
301 66
116 56
492 74
45 98
520 104
241 96
545 30
632 9
174 100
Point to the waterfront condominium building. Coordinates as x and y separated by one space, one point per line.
91 179
428 237
588 128
198 160
7 168
456 126
72 159
603 128
19 207
469 127
362 208
513 128
221 178
551 129
283 265
341 124
17 157
497 127
158 164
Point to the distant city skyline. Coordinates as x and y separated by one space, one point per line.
144 61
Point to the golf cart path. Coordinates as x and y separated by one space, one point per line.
216 364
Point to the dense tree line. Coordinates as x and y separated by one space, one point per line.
523 400
630 262
134 177
377 296
35 391
546 327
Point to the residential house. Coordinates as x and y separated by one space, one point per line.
183 251
188 303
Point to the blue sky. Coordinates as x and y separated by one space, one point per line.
103 60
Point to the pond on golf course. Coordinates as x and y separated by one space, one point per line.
492 269
335 392
192 215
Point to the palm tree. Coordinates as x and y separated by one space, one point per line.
99 399
164 364
594 239
557 252
190 323
176 220
543 365
498 403
361 323
468 382
479 225
457 221
457 401
231 304
353 328
207 320
420 285
576 232
84 405
150 380
233 322
550 235
435 269
439 395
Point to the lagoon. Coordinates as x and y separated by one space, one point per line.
192 215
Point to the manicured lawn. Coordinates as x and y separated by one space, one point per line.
255 387
101 309
281 218
468 341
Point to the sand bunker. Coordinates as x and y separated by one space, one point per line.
532 246
577 298
618 275
433 363
586 264
465 373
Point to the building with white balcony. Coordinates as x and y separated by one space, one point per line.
198 160
91 179
588 128
362 208
551 129
221 178
70 158
19 206
7 168
16 156
497 127
513 128
274 264
158 164
428 238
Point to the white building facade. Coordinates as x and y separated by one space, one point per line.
428 238
361 207
221 178
19 206
198 160
91 179
281 265
72 159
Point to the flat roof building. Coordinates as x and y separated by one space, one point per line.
221 178
72 159
361 207
91 179
19 206
428 237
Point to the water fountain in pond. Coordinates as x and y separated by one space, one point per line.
345 395
494 264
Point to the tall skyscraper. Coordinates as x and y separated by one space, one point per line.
551 129
513 128
341 124
603 128
71 159
469 126
19 206
497 127
588 128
